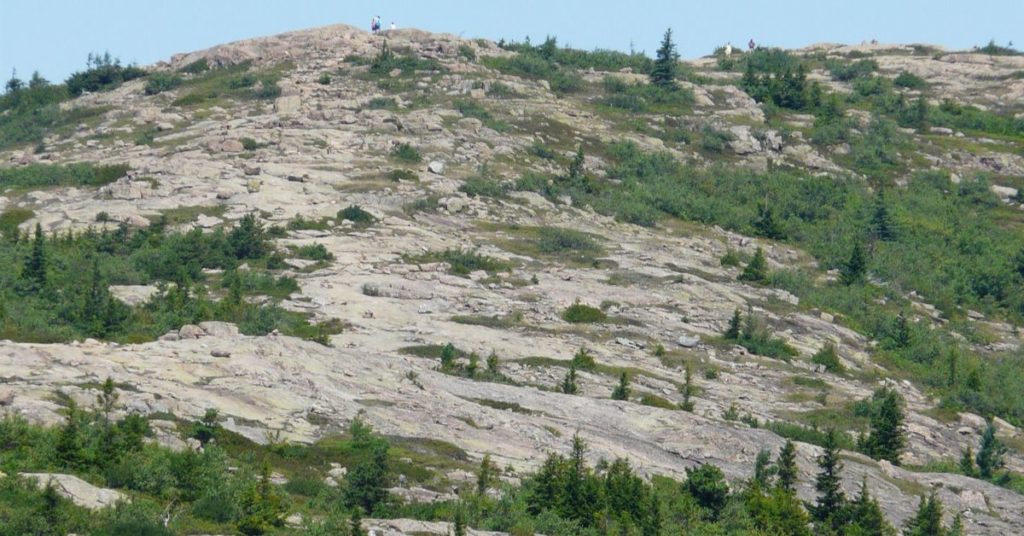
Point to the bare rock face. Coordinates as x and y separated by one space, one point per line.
322 149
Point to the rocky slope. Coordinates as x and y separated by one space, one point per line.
321 147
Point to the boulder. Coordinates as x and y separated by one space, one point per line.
219 329
436 167
78 491
189 331
688 342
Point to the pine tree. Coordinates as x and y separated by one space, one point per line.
576 166
951 373
621 391
688 389
887 439
261 506
666 64
828 508
866 517
855 268
448 357
882 226
707 485
493 364
459 523
34 272
569 386
763 470
732 333
921 114
485 476
757 270
967 462
928 519
68 447
990 453
765 224
581 499
355 523
786 468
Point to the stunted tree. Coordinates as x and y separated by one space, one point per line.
621 391
866 515
786 471
928 519
33 274
990 453
855 268
831 500
666 64
757 270
887 439
569 385
732 333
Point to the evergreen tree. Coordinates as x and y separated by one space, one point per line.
990 453
967 462
485 476
581 499
355 523
248 240
921 114
765 224
882 226
763 470
576 166
855 268
569 386
666 64
261 506
621 391
448 357
473 366
827 510
33 275
707 485
928 519
688 389
957 528
70 439
733 331
459 523
951 373
757 270
786 468
866 516
887 439
367 479
493 364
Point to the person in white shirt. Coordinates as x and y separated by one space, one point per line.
393 26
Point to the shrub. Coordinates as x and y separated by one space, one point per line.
249 144
196 67
406 153
103 74
845 72
382 103
757 270
160 82
480 186
910 81
559 240
540 150
313 252
467 52
828 357
403 175
45 175
713 140
580 313
324 79
356 215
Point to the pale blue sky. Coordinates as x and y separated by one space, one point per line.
54 36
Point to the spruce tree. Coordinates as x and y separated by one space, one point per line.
485 476
786 468
957 528
666 64
887 439
866 517
827 510
765 224
569 385
581 500
493 363
990 453
355 523
855 268
733 331
688 389
33 274
967 462
459 524
707 485
763 470
928 519
757 270
621 391
882 226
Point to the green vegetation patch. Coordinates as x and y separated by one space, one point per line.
35 176
461 262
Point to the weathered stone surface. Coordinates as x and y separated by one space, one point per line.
77 490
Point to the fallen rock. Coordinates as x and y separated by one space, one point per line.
436 167
688 342
190 331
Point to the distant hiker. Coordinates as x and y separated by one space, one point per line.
751 45
375 24
728 49
393 26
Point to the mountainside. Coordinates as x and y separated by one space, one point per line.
445 231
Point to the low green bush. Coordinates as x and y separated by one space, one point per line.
356 215
581 313
404 152
160 82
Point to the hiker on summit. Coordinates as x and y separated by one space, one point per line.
375 24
